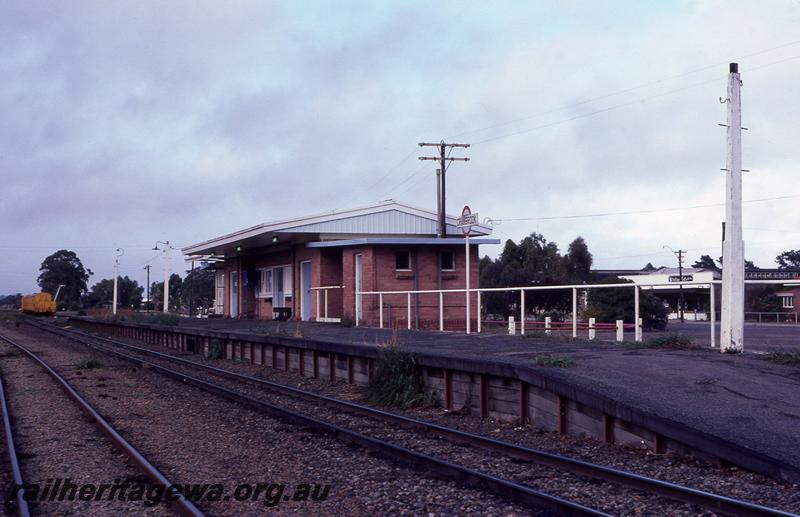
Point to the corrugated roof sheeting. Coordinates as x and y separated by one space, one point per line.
388 222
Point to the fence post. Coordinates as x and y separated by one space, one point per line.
317 293
479 311
547 321
574 312
380 310
522 312
637 321
326 304
512 326
408 310
441 310
620 331
591 329
713 315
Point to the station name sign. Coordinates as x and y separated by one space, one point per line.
684 278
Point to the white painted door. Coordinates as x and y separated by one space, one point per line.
278 293
234 294
359 274
305 290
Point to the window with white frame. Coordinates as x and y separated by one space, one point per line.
788 301
279 277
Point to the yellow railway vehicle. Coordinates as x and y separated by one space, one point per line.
40 303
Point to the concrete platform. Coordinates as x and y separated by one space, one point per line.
744 406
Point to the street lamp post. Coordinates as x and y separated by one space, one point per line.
120 252
166 251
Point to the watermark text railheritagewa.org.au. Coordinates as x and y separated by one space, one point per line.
271 494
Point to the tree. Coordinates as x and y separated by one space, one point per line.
748 265
64 268
157 293
649 267
578 262
14 300
197 289
129 293
788 259
618 303
705 262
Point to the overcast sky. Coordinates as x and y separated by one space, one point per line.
123 123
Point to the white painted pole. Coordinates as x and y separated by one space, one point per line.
318 295
467 272
547 325
326 305
408 310
574 312
732 328
441 310
167 247
116 275
380 310
620 330
479 311
591 329
522 312
512 326
637 321
713 315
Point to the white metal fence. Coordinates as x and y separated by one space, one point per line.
637 322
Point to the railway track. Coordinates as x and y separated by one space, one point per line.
19 501
180 503
403 435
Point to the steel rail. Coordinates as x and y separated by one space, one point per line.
654 486
19 489
182 504
471 478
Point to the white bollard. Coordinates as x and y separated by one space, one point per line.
620 334
638 336
547 330
512 326
591 329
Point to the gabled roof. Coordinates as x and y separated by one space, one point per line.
381 219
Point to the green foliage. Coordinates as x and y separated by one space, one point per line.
534 261
197 289
554 361
608 305
14 300
157 293
158 318
397 381
786 358
671 341
89 363
64 267
129 293
788 259
706 262
214 349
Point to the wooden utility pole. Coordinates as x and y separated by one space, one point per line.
442 159
147 268
732 324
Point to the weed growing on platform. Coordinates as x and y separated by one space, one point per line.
397 381
553 361
214 350
671 341
786 358
89 363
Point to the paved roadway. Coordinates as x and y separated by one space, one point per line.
757 337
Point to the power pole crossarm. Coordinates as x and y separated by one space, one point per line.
441 181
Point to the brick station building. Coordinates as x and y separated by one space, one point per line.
285 268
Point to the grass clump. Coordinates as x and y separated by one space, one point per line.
554 361
89 363
214 350
671 341
785 358
397 382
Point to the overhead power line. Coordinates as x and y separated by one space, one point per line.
636 212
